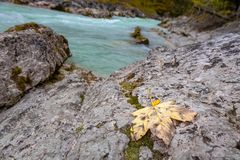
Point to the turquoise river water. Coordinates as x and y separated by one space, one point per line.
100 45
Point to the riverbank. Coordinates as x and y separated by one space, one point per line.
193 28
90 8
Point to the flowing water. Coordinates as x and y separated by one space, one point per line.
100 45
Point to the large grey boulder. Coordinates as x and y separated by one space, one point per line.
29 54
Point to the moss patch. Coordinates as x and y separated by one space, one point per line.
128 88
133 149
132 152
56 77
16 71
20 81
82 97
22 27
79 129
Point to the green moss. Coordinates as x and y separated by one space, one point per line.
82 97
133 100
20 81
56 77
128 87
22 27
79 129
132 151
137 32
16 71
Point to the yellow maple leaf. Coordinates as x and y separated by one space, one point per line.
158 118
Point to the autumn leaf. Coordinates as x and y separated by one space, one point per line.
158 118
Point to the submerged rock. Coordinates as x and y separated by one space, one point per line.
139 38
29 54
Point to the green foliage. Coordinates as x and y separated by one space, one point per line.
153 7
174 7
215 4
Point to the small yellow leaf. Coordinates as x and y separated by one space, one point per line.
155 102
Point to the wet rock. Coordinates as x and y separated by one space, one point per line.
29 54
139 38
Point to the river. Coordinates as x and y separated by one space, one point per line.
100 45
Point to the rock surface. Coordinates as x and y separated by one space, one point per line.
204 77
29 54
76 118
184 30
45 124
145 153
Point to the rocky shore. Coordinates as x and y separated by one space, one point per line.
68 113
90 8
